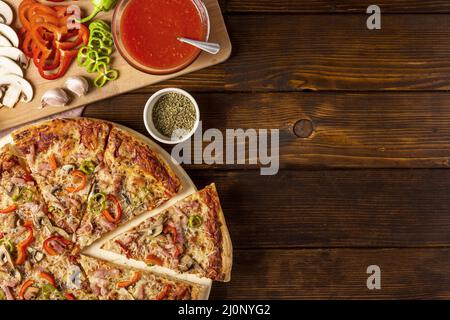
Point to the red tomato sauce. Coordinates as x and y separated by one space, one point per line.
150 28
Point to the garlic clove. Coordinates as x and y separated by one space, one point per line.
77 85
55 98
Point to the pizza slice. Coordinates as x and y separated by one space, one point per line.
19 195
34 258
56 279
112 282
63 155
20 205
16 257
191 236
132 180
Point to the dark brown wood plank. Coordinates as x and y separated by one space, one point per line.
330 52
333 6
337 208
337 274
404 130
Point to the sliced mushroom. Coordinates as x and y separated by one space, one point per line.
15 54
156 230
73 280
35 254
9 66
186 263
127 199
6 14
4 42
124 294
10 34
61 232
41 220
17 86
55 189
6 262
16 275
68 167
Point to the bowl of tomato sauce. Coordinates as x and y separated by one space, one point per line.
146 33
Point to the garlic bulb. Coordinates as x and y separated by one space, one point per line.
77 85
55 98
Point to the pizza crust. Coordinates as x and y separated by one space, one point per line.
227 246
163 173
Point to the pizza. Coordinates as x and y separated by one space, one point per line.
65 183
190 237
112 282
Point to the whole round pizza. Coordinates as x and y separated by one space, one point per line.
69 184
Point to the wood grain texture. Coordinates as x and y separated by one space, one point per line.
337 274
398 130
333 6
329 52
337 208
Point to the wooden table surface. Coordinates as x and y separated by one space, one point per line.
370 185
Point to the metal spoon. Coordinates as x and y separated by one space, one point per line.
209 47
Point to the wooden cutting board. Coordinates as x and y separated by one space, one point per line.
130 78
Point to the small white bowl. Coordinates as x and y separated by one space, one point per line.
148 116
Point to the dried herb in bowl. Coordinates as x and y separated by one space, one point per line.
173 112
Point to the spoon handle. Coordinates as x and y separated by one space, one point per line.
209 47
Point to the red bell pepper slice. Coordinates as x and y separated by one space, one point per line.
9 209
153 260
69 296
164 293
49 249
124 284
77 174
27 177
116 203
48 277
22 247
24 288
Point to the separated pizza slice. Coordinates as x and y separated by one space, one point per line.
63 155
191 237
133 180
112 282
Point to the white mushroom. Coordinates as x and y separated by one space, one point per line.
17 86
14 54
6 14
10 34
8 65
4 42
